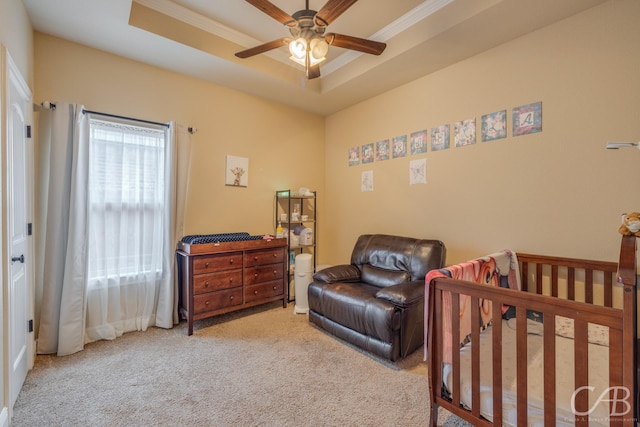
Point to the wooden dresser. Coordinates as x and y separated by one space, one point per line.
217 278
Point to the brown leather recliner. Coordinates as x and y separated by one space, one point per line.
377 302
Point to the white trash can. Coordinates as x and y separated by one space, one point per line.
303 276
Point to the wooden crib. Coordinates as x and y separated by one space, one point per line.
532 390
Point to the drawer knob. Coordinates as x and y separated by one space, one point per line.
255 292
275 287
231 261
275 272
275 255
206 303
206 284
255 258
230 279
255 275
231 297
206 264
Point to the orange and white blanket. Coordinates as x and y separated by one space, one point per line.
499 269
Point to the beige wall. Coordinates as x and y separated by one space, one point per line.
16 34
558 192
285 147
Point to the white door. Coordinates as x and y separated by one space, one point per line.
17 191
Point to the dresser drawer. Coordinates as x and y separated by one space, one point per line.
211 263
264 273
216 281
216 300
263 290
267 256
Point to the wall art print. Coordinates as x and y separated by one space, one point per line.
237 171
494 126
465 132
366 181
527 119
440 138
354 156
382 150
399 146
368 154
418 142
418 171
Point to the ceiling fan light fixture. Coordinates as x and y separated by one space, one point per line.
319 48
298 49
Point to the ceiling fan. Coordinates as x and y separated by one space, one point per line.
308 43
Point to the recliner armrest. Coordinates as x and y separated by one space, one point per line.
403 294
338 273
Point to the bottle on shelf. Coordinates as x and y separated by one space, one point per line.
279 230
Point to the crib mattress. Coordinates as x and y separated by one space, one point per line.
598 376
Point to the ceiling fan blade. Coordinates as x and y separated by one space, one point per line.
274 44
274 11
332 10
356 43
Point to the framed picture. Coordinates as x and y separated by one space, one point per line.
237 171
494 126
418 142
382 150
527 119
367 153
354 156
440 138
465 132
399 146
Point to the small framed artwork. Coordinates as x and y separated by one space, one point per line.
440 138
354 156
418 171
399 146
418 142
237 171
382 150
527 119
465 132
367 153
366 181
494 126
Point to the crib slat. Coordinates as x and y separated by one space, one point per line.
608 290
616 408
496 353
521 378
475 356
524 276
455 345
438 344
554 280
581 366
549 347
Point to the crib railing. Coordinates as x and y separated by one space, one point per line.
553 286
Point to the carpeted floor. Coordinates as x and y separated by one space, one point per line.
263 366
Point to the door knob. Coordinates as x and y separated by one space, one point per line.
18 258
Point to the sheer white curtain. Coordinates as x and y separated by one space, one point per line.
124 219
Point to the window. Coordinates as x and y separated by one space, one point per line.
126 202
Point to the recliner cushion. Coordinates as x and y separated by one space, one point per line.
355 306
381 277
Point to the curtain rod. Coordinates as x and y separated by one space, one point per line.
124 117
52 106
